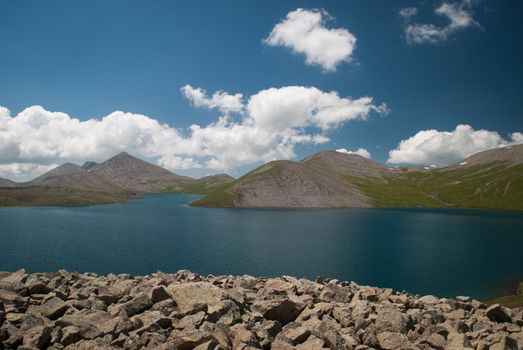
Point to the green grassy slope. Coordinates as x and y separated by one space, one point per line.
220 197
511 301
485 186
43 195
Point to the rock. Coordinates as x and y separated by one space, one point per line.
393 340
506 343
211 344
428 299
70 335
189 339
53 308
389 319
278 308
458 341
159 293
498 313
186 310
281 345
187 294
312 343
226 313
11 298
294 334
137 305
14 282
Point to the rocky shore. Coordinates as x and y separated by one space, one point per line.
66 310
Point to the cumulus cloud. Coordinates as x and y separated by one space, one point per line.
221 100
23 171
408 12
459 16
304 32
272 123
360 151
446 147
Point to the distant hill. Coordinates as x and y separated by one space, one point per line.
490 179
132 173
119 178
89 165
6 183
286 184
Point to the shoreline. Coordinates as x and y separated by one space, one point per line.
186 310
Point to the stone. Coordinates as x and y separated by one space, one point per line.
294 334
458 341
37 337
189 339
211 344
53 308
159 293
312 343
70 335
278 308
506 343
137 305
389 319
202 292
393 340
498 313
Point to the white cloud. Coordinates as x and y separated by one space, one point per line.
458 14
223 101
23 171
272 123
304 32
408 12
360 151
447 147
299 106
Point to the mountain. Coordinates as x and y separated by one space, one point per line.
73 177
134 174
490 179
345 164
6 183
62 170
287 184
202 185
89 165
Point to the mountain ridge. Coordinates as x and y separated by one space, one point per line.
328 179
489 179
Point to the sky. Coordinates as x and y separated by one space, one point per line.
205 87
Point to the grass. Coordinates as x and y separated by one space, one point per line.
220 196
510 301
45 196
492 186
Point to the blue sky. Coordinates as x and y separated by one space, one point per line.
88 59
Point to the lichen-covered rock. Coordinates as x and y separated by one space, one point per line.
53 308
67 310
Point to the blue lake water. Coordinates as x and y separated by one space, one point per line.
442 252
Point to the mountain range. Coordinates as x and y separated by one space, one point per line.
489 179
117 179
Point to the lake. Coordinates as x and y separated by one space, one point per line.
446 252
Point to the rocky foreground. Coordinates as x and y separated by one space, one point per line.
67 310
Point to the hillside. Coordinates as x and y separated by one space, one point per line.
134 174
490 179
6 183
286 184
118 179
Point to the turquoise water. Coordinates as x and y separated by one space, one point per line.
443 252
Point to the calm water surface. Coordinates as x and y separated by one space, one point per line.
443 252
